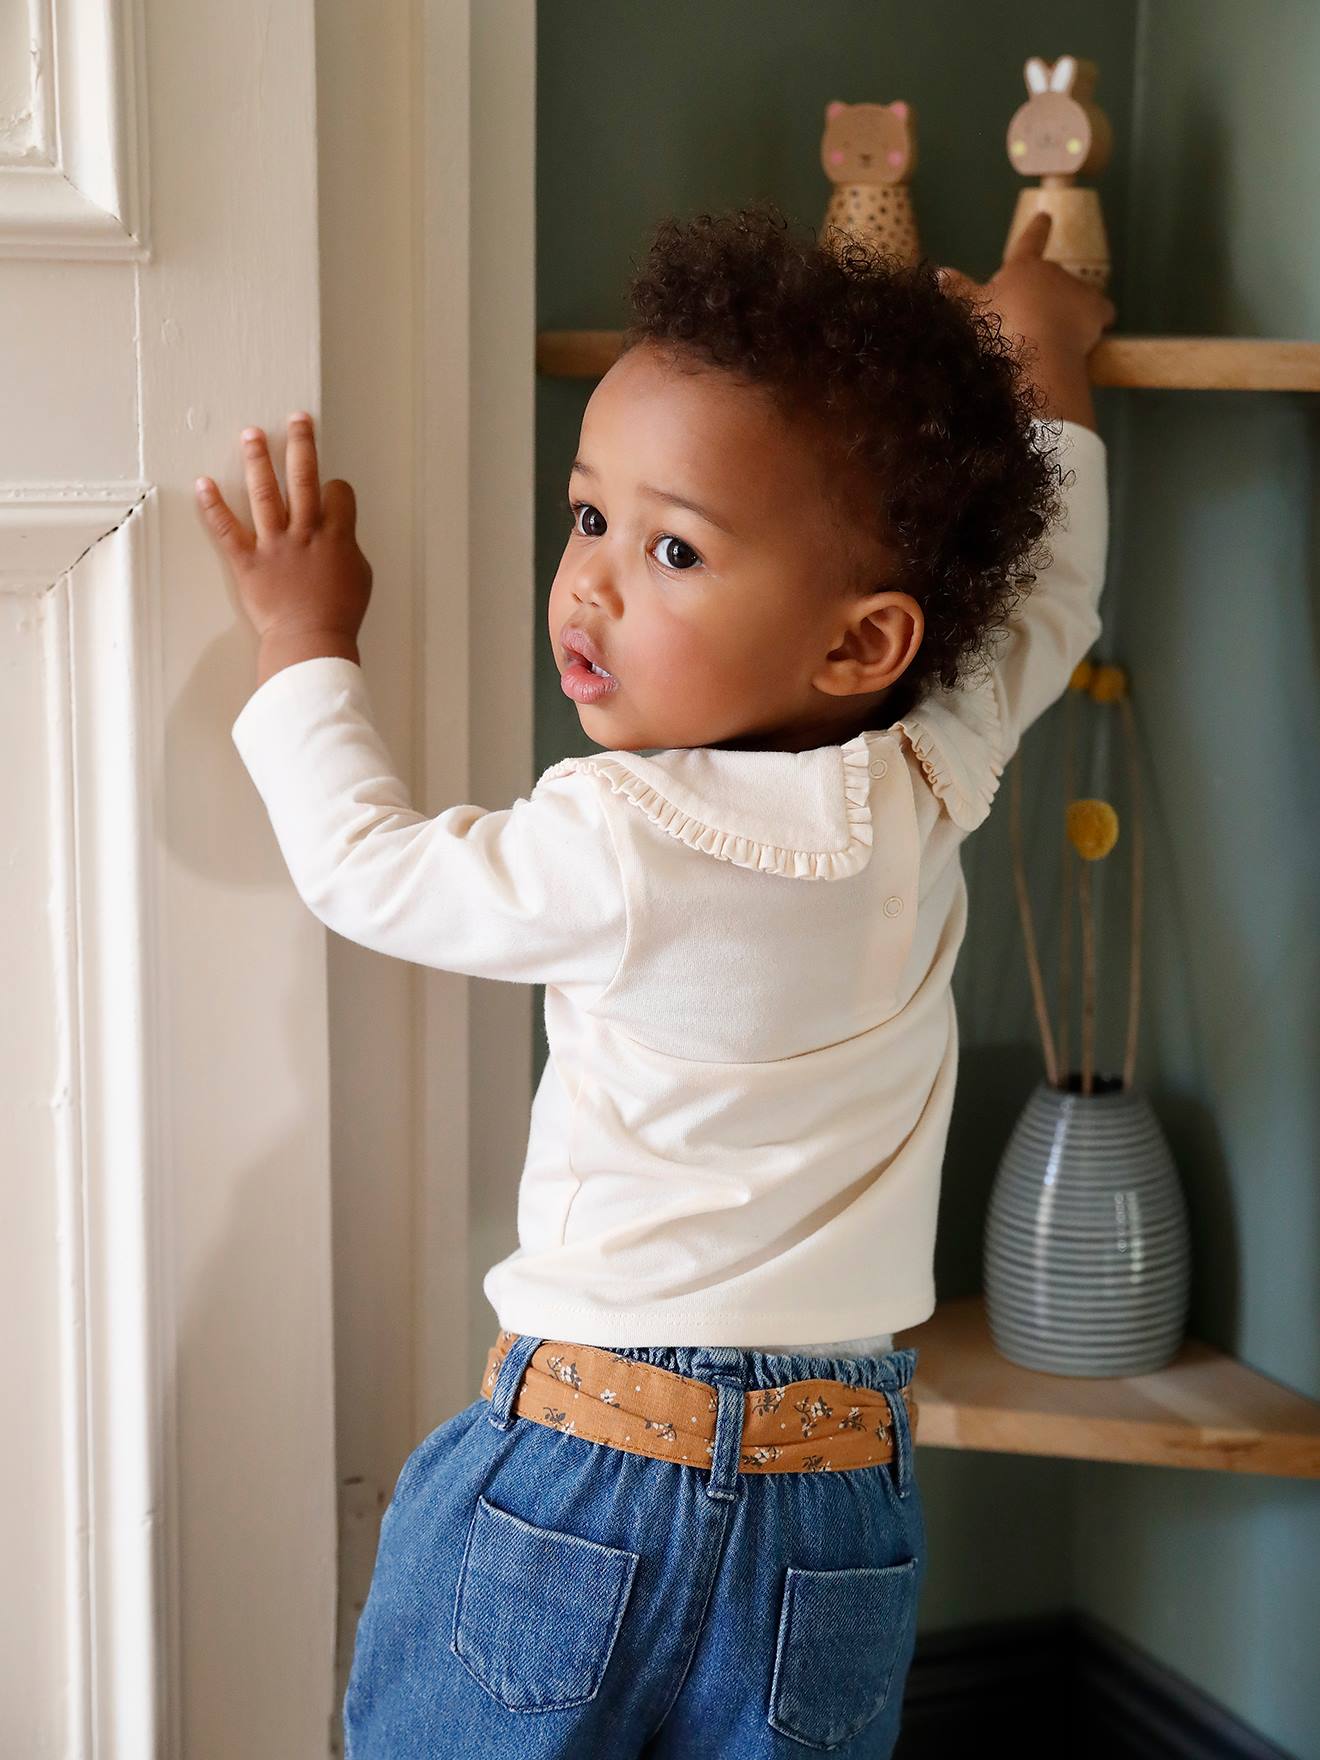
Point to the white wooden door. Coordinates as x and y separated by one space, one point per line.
211 216
167 1497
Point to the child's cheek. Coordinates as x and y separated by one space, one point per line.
675 657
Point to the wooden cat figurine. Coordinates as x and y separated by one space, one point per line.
869 151
1058 135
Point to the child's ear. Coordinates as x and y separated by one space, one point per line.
880 643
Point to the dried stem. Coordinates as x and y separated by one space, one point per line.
1066 887
1134 834
1088 978
1028 927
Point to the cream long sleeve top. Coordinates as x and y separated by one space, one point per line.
738 1135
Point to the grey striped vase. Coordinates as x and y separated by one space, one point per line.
1087 1254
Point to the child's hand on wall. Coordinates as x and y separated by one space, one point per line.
300 578
1055 317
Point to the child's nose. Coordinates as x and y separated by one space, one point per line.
595 584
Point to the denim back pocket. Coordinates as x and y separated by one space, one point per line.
840 1635
537 1611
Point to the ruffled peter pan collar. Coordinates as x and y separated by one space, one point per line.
956 736
805 815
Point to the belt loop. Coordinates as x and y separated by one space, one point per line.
727 1377
901 1432
723 1479
507 1381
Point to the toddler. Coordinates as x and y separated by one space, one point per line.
805 609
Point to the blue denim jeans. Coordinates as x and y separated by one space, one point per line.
539 1594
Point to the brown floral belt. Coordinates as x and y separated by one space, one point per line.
602 1396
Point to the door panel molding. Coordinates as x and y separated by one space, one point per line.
80 567
73 158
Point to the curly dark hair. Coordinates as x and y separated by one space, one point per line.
922 394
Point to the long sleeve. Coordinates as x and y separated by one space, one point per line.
1052 627
531 893
964 736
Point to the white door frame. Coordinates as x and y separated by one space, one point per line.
427 156
476 504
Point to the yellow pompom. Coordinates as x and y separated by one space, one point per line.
1108 684
1092 828
1082 675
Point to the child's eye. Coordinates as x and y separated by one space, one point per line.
680 559
676 567
577 507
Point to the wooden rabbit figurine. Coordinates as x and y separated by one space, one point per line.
869 151
1057 135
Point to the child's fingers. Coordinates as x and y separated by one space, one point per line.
263 487
229 534
1030 242
340 504
300 468
953 281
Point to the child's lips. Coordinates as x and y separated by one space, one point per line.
582 684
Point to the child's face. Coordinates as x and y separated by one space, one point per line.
740 626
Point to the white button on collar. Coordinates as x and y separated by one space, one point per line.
892 905
878 766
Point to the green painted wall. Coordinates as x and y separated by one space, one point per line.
703 104
1217 565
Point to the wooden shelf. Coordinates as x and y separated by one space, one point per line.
1205 363
1169 363
1204 1410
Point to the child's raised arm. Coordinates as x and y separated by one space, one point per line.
532 893
1058 320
